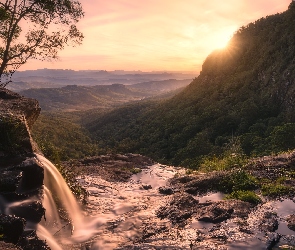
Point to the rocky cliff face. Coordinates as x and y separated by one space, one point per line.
21 176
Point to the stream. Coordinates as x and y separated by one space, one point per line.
122 215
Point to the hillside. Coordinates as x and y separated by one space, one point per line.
77 98
244 97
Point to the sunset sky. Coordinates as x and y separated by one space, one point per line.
148 35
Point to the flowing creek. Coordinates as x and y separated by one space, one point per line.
117 213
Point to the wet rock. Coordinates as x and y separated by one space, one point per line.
183 201
21 182
181 208
269 222
182 179
175 215
291 222
113 167
217 212
272 167
9 180
11 227
8 246
30 241
166 190
245 230
200 184
31 211
32 176
272 241
152 230
220 235
147 187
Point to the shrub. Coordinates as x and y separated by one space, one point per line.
227 162
239 181
275 190
248 196
135 170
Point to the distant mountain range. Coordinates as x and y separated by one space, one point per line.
77 98
54 78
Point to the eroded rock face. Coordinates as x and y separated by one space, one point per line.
21 176
17 115
18 105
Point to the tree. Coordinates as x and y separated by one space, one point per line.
35 29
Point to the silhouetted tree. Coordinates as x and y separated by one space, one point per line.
35 29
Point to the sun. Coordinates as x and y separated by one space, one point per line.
220 39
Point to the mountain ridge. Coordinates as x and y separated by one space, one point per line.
245 91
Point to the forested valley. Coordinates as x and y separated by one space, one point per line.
241 103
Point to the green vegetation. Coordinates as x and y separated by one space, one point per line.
276 190
221 163
239 180
233 157
61 138
135 170
240 106
248 196
244 91
70 177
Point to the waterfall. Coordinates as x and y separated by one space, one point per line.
52 216
55 185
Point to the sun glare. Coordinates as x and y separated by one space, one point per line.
220 42
221 39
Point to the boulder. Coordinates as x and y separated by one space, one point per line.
11 227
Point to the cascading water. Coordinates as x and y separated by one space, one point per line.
116 211
54 184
